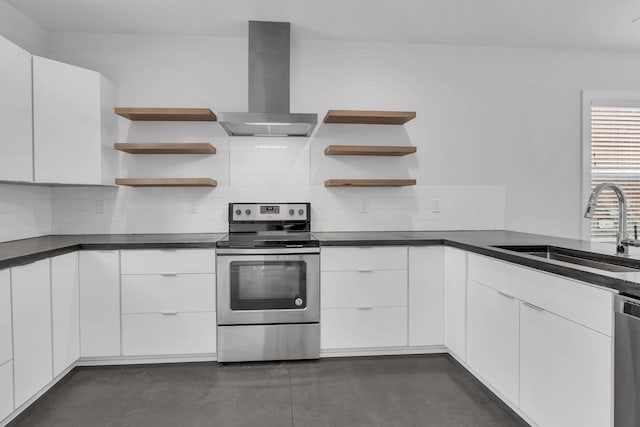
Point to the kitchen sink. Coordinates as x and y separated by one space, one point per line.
586 259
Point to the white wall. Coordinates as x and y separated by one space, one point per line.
21 30
489 120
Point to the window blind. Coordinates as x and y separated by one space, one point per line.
615 157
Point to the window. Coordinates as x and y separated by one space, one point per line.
615 157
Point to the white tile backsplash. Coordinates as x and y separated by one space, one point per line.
249 169
25 211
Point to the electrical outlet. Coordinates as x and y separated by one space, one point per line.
100 206
435 205
193 208
364 205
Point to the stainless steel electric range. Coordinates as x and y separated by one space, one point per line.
268 284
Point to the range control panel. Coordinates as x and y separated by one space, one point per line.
269 211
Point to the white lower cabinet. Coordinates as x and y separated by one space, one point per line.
99 303
65 305
32 356
565 371
155 293
168 302
343 328
543 341
455 301
6 345
6 389
426 288
493 338
168 333
364 306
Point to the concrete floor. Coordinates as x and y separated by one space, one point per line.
382 391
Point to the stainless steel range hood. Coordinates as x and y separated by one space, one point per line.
269 50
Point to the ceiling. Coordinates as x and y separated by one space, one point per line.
582 24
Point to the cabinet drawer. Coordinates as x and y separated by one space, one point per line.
6 344
567 298
157 334
155 293
355 328
363 258
385 288
6 389
158 261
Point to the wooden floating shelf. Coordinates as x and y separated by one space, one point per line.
166 148
368 150
369 182
167 182
369 117
167 114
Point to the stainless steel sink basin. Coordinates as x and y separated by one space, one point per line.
585 259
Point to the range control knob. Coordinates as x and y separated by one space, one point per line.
248 211
238 212
291 211
298 302
300 211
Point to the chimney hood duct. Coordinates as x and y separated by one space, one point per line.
269 49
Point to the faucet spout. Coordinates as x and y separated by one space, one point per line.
621 239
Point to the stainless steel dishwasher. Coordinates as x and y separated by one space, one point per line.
627 362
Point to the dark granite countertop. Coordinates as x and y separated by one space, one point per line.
22 252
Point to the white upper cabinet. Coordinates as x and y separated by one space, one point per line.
16 150
74 124
65 311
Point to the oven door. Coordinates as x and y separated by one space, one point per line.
268 287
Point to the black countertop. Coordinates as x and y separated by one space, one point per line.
22 252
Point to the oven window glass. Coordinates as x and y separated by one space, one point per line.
268 285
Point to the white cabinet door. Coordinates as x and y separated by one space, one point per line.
162 334
16 149
363 328
426 287
565 371
65 311
455 299
6 345
99 303
70 126
6 389
492 338
32 358
363 258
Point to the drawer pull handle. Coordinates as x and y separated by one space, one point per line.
365 270
168 274
535 307
365 307
506 295
169 313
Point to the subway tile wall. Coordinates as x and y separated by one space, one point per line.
25 211
276 170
